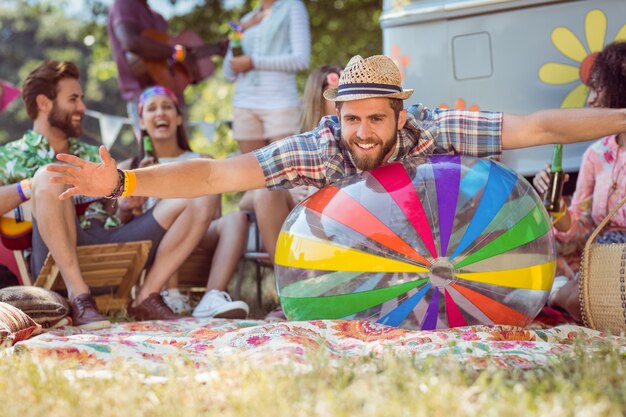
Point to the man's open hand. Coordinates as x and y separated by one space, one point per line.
85 178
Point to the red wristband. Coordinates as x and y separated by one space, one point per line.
179 53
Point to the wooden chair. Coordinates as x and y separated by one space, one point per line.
110 270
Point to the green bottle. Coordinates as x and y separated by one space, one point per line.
552 199
148 148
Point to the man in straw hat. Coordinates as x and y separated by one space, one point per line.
372 129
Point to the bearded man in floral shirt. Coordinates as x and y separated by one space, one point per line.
54 101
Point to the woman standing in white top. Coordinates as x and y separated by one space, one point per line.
276 44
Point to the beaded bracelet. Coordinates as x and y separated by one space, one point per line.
119 188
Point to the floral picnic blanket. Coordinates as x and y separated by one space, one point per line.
153 345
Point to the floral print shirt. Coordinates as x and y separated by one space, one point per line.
21 158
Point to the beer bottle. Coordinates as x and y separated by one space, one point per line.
148 152
552 199
148 149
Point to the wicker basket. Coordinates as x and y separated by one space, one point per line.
602 282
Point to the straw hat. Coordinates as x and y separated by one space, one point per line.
376 76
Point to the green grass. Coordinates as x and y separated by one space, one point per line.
582 384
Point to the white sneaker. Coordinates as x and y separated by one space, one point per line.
218 304
176 301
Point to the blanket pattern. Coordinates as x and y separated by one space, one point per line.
153 345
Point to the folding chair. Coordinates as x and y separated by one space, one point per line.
110 270
255 254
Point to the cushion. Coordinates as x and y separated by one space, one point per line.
45 307
15 325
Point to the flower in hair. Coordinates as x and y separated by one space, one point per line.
332 79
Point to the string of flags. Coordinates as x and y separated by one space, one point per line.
8 93
110 125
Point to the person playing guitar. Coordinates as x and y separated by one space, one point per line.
190 62
145 55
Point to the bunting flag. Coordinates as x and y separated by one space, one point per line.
111 125
8 93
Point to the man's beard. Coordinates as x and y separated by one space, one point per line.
63 121
367 163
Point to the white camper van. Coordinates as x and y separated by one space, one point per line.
515 56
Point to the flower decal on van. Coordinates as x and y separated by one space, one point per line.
568 44
460 104
402 61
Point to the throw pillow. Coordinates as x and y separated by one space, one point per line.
45 307
15 325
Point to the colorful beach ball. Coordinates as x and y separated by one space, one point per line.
429 243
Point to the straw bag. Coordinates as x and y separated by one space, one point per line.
602 282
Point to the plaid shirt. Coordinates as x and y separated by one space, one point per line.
318 157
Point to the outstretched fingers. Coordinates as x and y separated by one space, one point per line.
84 177
68 193
71 159
68 176
68 172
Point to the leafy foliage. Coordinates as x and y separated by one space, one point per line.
34 31
341 29
30 34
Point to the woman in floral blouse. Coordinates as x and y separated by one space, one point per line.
601 180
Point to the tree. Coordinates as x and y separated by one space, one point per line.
29 35
34 32
341 29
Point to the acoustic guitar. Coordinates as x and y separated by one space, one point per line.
177 76
16 226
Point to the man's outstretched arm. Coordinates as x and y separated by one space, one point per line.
185 179
560 126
